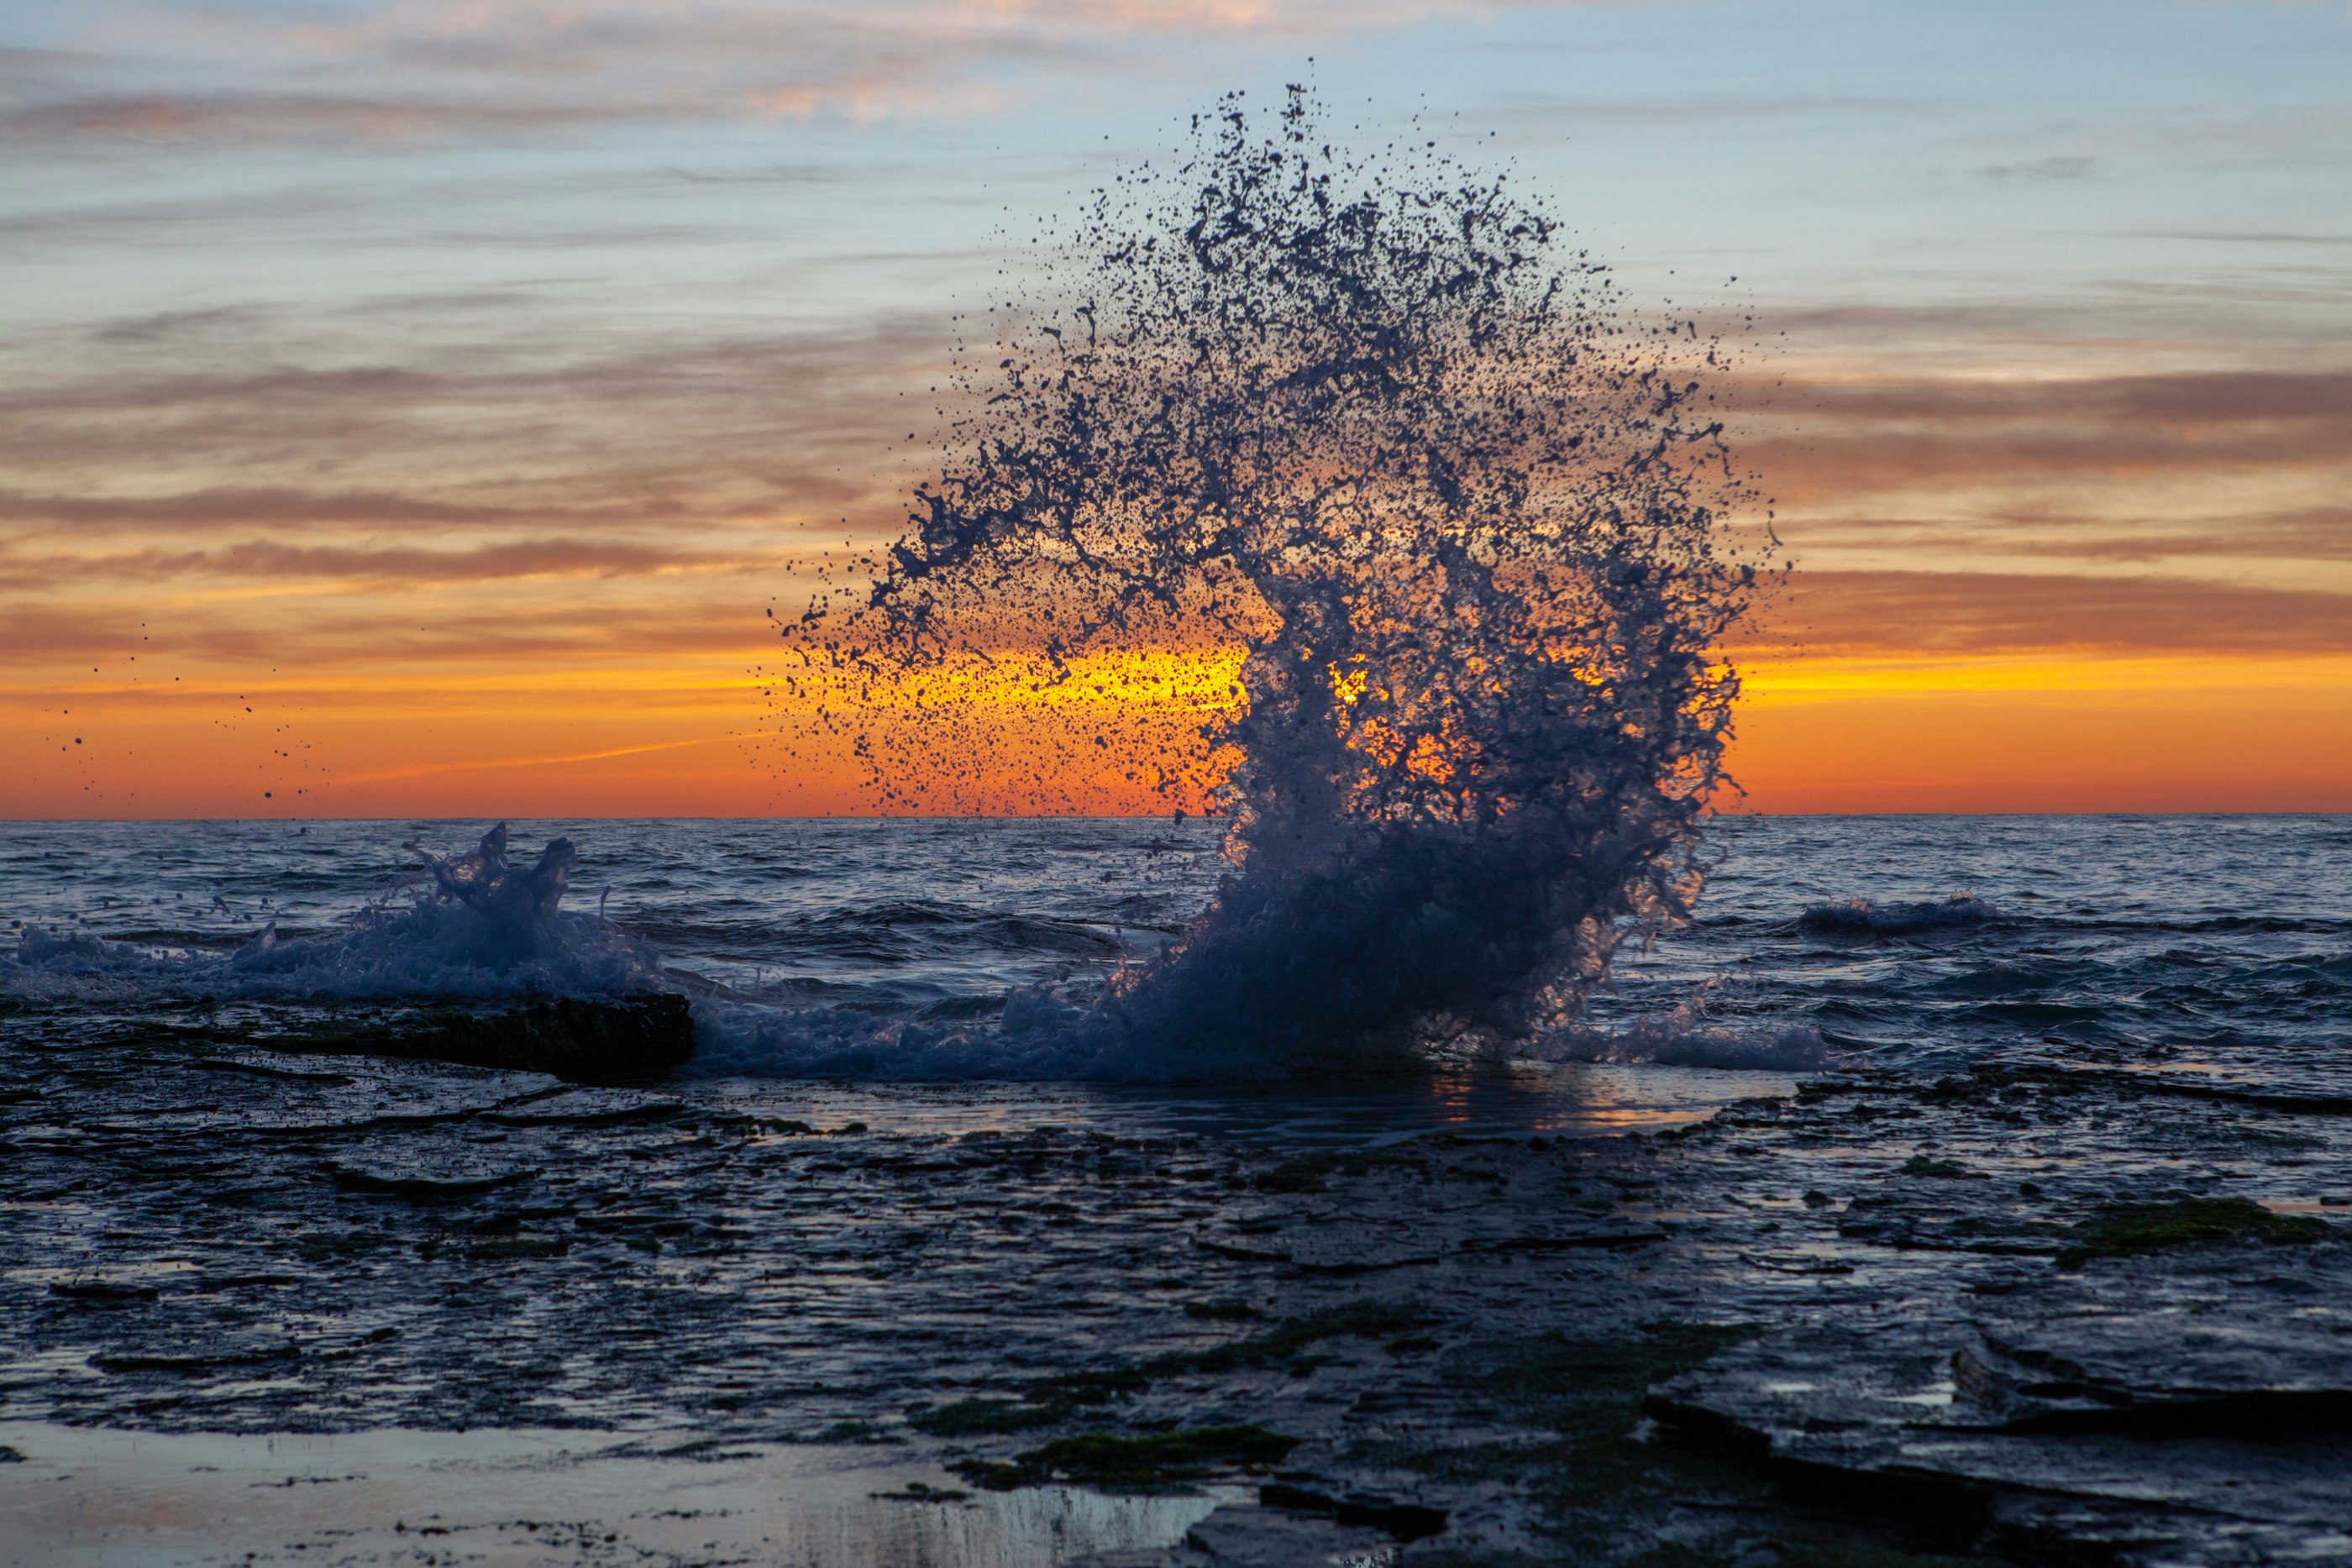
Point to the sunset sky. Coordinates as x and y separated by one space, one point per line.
411 407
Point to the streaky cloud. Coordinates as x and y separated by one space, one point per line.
1977 612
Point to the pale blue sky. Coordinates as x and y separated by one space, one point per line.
2152 172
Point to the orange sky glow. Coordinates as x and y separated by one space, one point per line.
1967 630
2024 732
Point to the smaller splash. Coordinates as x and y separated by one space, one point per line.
517 908
1862 918
480 929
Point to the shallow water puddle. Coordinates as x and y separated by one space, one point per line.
96 1496
1559 1099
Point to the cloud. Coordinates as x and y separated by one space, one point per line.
431 70
2296 535
1528 114
2205 398
589 425
202 509
485 639
165 325
2059 166
445 768
262 560
1835 440
273 117
1981 612
2235 236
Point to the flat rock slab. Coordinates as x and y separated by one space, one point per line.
616 1041
2257 1347
2174 1410
1243 1535
1349 1244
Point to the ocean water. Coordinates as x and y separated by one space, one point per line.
878 950
702 1317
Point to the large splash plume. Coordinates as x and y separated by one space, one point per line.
1343 490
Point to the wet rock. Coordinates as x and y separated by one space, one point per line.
102 1292
213 1362
1349 1243
2158 1411
1400 1521
423 1189
1323 1251
1126 1460
507 1251
2131 1230
1608 1233
2260 1350
628 1040
1239 1535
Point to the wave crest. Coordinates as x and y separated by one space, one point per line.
1862 917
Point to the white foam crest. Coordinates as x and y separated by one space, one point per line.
1862 916
1691 1035
1791 1048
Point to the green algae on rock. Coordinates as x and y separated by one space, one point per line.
2136 1231
1113 1459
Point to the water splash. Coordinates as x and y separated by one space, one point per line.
480 929
518 909
1367 433
1693 1033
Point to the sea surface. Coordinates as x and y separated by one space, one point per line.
878 950
257 1300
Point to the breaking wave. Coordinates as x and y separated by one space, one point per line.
1344 497
1793 1048
1693 1033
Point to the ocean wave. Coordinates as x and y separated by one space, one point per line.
1687 1037
1864 918
480 930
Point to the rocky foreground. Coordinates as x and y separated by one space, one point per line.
2047 1315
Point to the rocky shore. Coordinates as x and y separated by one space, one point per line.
2049 1315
